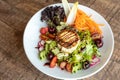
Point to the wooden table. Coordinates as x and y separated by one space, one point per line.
14 15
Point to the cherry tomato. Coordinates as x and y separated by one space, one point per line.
44 30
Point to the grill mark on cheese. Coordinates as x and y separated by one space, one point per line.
65 35
62 34
73 43
69 36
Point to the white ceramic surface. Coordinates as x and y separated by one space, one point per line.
31 38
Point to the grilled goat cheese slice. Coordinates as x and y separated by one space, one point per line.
68 40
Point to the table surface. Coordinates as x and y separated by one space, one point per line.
14 15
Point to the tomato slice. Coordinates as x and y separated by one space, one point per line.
69 67
53 62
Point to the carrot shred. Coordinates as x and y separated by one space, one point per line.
84 22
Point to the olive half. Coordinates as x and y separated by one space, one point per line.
86 64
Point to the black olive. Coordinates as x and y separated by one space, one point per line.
96 36
99 43
47 64
83 49
50 56
86 64
51 30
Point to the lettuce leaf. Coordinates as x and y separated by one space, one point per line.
77 66
42 55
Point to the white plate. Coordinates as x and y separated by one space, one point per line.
31 38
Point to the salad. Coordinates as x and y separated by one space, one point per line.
71 40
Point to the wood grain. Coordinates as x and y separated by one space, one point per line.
14 15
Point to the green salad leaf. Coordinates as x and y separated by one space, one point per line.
49 46
76 66
87 43
42 54
61 26
73 58
46 47
52 45
56 50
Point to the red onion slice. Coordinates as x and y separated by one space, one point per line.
95 61
42 42
40 45
41 48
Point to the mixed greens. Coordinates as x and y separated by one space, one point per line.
86 51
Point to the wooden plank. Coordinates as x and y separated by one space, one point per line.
14 17
10 39
112 72
104 8
83 2
44 77
14 70
2 56
115 23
